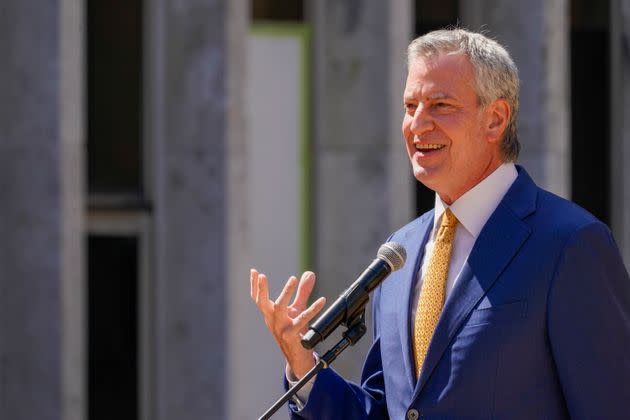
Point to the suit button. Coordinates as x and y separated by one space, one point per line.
413 414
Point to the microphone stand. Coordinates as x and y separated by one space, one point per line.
356 330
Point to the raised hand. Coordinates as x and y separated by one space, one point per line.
287 322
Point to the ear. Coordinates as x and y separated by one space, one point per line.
498 115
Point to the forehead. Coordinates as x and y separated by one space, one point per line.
442 75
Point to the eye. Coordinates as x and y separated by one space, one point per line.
410 108
442 106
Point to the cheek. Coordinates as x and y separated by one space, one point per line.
470 151
406 126
466 141
407 135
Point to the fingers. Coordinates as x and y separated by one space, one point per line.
307 282
275 311
287 291
263 290
305 317
259 291
253 284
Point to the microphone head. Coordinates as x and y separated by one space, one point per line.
393 254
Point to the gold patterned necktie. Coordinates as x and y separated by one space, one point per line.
433 289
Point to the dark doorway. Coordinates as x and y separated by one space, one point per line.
277 10
590 106
112 327
114 96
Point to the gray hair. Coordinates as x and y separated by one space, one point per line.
496 75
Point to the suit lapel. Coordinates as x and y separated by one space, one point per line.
499 241
414 242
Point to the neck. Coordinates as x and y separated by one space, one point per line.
449 197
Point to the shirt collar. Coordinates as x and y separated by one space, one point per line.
475 206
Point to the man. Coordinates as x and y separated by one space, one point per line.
513 303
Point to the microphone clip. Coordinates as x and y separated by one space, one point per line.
355 330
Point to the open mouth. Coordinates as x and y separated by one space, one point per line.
429 148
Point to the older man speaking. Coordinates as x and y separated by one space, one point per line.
514 303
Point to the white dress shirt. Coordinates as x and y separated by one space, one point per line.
472 209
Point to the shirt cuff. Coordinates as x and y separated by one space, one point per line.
301 397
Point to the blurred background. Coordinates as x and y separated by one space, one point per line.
152 151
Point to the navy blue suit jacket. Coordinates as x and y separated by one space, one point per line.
537 326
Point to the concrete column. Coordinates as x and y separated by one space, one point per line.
41 337
401 180
72 148
189 114
536 35
362 182
620 125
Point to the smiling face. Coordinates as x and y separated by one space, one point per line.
452 142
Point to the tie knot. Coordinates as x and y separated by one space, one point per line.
449 219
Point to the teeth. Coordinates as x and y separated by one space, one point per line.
429 146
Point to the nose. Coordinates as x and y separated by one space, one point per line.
422 122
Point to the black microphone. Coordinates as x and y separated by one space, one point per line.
390 257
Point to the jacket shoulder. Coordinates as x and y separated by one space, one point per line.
567 216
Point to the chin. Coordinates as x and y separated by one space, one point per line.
426 178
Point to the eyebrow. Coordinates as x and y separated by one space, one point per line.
440 95
433 97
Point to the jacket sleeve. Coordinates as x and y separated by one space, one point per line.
589 325
332 397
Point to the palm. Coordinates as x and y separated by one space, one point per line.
287 322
